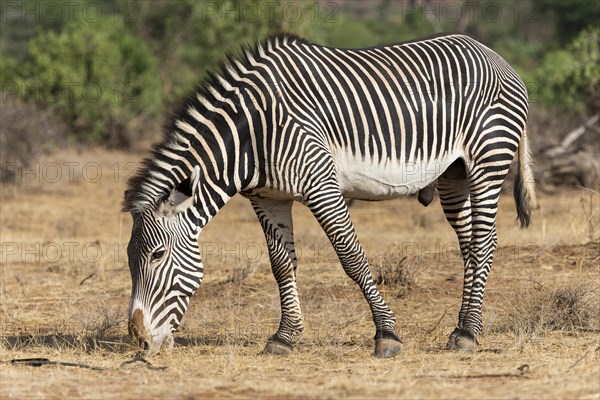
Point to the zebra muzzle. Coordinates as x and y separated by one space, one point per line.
137 331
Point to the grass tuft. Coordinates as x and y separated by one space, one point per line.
394 270
568 307
241 273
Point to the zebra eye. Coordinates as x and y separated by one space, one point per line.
157 255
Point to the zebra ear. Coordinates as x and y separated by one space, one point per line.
182 196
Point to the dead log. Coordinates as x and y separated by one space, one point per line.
575 161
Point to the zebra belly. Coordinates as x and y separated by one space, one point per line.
366 179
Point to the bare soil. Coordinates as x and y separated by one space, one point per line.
65 288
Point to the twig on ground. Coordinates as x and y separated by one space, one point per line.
38 362
138 358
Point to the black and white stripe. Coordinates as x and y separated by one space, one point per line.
294 121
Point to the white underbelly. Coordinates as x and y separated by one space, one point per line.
385 179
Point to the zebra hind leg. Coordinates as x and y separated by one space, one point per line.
484 192
276 220
456 203
328 206
485 185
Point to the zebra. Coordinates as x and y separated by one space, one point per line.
291 121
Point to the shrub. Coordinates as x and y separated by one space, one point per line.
394 270
569 307
570 77
26 132
101 79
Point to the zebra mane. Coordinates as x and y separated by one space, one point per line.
142 192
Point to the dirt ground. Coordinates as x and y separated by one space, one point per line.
65 288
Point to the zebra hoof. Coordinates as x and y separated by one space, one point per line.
387 344
462 340
277 347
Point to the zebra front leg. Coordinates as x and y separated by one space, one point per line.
276 220
328 206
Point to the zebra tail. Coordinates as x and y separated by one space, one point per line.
524 187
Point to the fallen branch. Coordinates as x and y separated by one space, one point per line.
522 372
571 137
38 362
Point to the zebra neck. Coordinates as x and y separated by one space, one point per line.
216 137
218 129
208 200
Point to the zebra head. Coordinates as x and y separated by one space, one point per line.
165 265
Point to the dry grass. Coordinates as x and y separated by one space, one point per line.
395 271
569 307
239 274
541 313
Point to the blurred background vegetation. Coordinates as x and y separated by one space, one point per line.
105 72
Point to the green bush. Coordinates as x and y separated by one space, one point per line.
191 37
101 79
350 32
9 68
570 77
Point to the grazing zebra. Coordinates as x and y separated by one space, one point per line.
294 121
